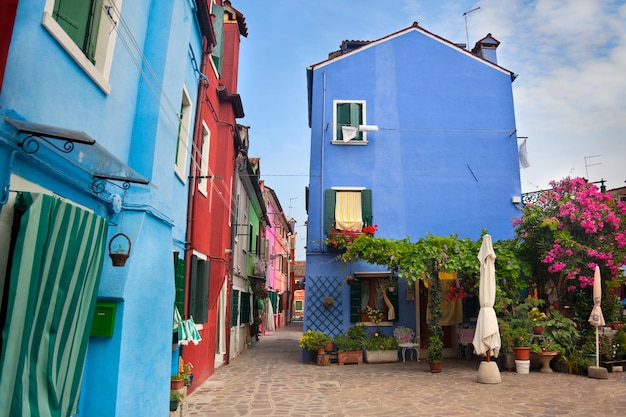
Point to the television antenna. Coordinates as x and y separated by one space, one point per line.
590 165
466 31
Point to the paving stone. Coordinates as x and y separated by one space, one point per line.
269 380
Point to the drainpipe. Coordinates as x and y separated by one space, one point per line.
7 181
193 174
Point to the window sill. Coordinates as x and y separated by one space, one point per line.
75 53
351 143
372 324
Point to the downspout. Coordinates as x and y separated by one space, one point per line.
193 174
7 181
321 199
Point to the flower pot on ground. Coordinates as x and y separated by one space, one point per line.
435 353
176 397
349 346
312 340
521 343
380 348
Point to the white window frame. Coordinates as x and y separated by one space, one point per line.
204 159
105 43
336 141
182 136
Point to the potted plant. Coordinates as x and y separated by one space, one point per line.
184 377
522 339
349 345
328 301
314 340
546 351
435 353
176 397
538 319
380 348
506 345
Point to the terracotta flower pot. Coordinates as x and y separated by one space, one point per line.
522 353
435 367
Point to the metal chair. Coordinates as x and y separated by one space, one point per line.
466 337
408 341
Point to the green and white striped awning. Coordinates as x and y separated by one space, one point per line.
54 278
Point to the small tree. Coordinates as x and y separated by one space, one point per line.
569 230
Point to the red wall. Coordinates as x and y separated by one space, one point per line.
8 8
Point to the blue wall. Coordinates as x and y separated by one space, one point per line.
128 374
445 157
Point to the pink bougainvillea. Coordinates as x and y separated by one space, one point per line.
572 228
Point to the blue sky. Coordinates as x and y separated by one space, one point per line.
570 94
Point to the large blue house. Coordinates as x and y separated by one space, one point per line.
414 134
97 105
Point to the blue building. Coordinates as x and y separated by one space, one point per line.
96 116
414 134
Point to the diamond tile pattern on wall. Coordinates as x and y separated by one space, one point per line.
319 317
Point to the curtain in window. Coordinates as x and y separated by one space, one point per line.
348 211
54 281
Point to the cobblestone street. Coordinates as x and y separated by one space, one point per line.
269 379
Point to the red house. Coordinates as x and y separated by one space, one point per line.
217 141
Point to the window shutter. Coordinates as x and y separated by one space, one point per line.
179 283
201 313
329 212
92 31
355 301
245 308
366 207
80 19
218 28
193 285
343 119
234 308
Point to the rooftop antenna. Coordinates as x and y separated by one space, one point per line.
466 32
590 165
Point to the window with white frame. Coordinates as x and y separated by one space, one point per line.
204 159
347 116
86 30
184 125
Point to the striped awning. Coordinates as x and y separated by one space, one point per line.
348 211
53 286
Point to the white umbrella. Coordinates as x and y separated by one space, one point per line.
596 318
269 322
487 336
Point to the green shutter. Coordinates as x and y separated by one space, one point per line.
343 118
274 301
179 283
244 316
80 19
201 314
234 308
218 28
329 211
349 114
366 207
355 301
193 285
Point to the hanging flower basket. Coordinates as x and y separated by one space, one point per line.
119 255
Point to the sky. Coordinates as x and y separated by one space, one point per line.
569 96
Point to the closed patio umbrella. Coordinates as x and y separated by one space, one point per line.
596 319
487 336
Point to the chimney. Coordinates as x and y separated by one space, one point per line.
486 48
